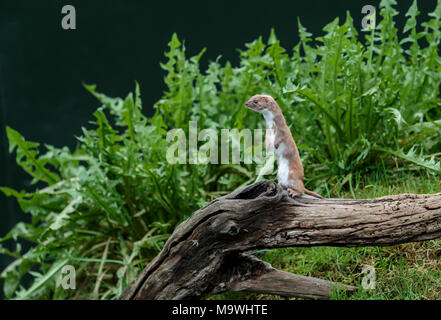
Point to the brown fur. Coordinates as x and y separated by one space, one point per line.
264 104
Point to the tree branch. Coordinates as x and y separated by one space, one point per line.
253 275
209 252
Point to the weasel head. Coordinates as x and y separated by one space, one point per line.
261 103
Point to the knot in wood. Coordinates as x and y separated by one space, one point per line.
230 228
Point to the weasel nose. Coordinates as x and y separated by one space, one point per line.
248 103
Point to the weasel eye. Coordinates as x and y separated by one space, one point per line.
255 101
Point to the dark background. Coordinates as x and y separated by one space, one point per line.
116 42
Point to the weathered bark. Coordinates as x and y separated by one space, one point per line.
211 251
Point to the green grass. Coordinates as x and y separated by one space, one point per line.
407 271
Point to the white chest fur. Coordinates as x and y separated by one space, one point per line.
269 118
282 162
269 139
283 165
270 132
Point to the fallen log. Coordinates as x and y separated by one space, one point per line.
211 252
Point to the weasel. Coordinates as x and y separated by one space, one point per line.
278 136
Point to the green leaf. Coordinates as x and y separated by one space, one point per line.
413 156
27 153
41 281
63 216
